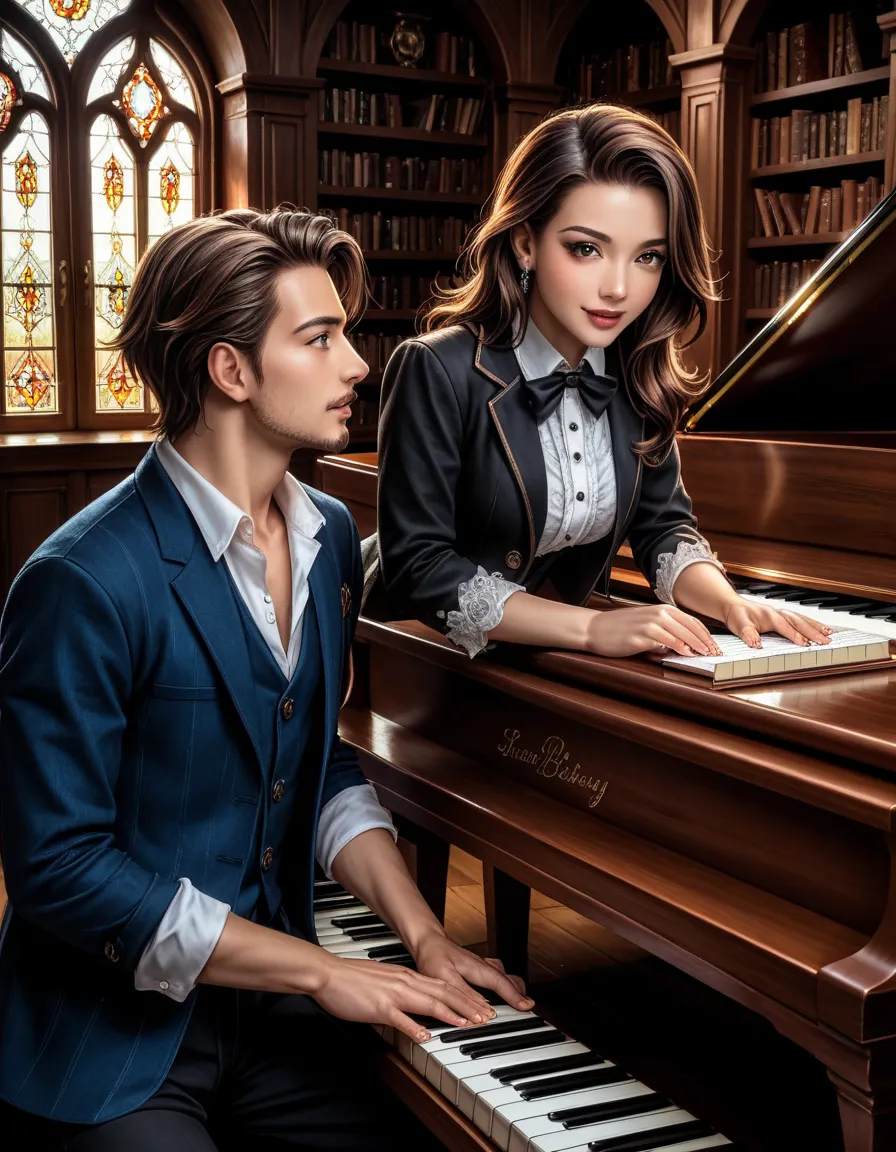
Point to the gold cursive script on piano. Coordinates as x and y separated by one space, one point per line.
552 762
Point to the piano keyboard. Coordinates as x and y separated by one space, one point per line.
826 607
525 1084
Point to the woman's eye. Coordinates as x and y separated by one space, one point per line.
323 340
583 249
653 259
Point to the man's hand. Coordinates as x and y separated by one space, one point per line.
438 956
374 993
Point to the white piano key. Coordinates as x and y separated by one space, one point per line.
347 945
878 627
507 1113
548 1136
451 1055
455 1080
475 1086
422 1051
328 916
717 1140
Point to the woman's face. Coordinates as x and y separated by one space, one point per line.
596 265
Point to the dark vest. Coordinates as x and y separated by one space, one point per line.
293 709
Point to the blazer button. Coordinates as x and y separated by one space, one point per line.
279 790
268 859
287 708
111 952
513 560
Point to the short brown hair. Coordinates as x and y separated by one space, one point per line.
612 144
214 279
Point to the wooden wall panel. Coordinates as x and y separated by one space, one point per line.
31 508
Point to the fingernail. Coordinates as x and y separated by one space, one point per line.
463 1021
526 1002
477 1018
423 1036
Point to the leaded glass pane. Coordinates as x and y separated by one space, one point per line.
174 76
171 182
29 363
110 69
141 101
8 99
112 190
18 57
71 23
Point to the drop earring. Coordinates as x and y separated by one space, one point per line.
525 277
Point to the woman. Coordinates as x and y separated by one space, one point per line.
531 429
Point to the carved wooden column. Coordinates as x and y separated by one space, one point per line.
519 107
715 130
270 140
888 23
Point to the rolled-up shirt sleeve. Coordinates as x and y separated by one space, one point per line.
350 812
182 943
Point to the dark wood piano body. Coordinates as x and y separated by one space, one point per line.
746 837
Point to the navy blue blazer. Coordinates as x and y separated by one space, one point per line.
129 736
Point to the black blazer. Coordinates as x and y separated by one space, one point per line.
462 483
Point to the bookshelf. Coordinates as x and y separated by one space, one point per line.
404 154
817 140
630 67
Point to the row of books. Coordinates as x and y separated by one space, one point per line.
803 135
809 51
433 113
818 210
632 68
443 174
776 281
400 291
368 44
379 231
375 347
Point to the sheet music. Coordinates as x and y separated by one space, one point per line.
734 649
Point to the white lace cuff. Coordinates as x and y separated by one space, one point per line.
671 565
480 609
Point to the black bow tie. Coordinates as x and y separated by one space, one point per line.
546 392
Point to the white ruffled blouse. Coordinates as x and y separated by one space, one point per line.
578 458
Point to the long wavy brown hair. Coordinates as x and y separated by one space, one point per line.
606 143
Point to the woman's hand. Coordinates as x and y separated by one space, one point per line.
374 993
747 620
653 628
438 956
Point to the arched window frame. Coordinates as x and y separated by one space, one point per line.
70 118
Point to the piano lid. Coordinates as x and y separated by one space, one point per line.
826 363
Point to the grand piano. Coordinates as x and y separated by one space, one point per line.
746 837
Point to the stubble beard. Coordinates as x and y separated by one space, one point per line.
299 438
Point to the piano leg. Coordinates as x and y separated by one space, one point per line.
507 919
426 856
869 1120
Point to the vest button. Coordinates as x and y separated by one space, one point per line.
287 708
279 790
513 559
111 952
268 859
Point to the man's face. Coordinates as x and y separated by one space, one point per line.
308 366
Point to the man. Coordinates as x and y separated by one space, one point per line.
171 667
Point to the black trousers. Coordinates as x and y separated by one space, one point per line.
255 1072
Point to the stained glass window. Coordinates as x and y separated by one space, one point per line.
111 69
18 57
174 76
170 188
8 99
142 103
113 200
71 23
29 358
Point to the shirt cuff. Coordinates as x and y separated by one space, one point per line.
671 565
350 812
480 604
184 940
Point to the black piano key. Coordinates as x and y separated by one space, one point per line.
359 920
856 607
884 610
374 932
517 1043
329 888
819 599
760 588
554 1085
486 1031
656 1138
406 961
543 1067
328 905
489 995
609 1110
384 951
797 594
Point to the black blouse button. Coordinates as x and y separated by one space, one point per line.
573 427
568 536
577 456
580 495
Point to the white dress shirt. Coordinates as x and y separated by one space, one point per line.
193 921
578 458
